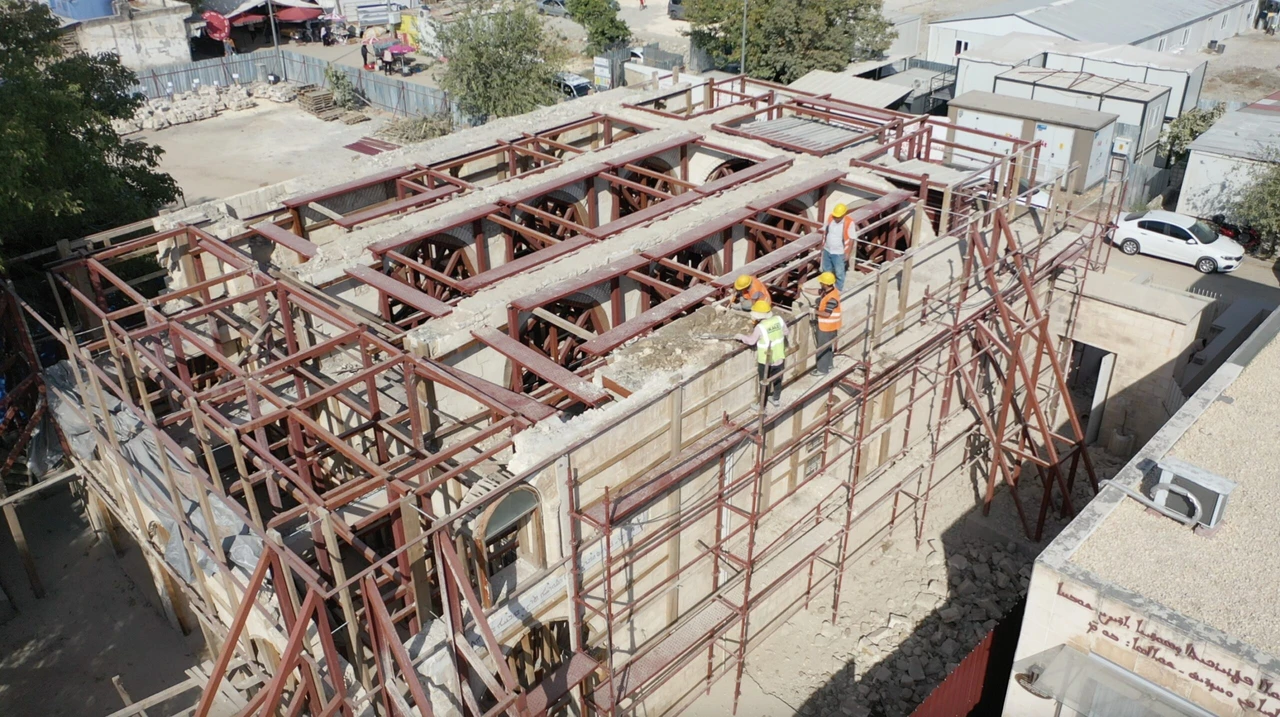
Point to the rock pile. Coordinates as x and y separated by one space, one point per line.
887 661
204 102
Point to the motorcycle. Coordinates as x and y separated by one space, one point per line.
1244 236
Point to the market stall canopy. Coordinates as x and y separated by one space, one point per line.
248 5
216 26
249 18
298 14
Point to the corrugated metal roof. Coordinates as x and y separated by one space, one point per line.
851 89
810 134
1085 82
1121 22
1020 46
1046 112
1249 133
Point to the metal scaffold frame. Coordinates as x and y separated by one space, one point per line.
286 420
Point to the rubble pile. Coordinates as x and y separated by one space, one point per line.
906 651
202 103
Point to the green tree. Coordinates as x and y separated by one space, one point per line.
1181 132
501 61
600 19
788 38
64 172
1258 204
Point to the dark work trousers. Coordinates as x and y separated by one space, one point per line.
826 350
774 389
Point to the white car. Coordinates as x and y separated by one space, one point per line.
1179 238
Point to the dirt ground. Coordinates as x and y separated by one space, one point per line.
1247 71
239 151
97 620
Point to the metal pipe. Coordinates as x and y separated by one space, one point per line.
1191 521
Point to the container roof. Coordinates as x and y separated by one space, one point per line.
1252 132
848 88
1086 82
1122 23
1047 112
1020 46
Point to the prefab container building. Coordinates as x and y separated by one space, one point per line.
978 68
1072 135
1173 26
1140 107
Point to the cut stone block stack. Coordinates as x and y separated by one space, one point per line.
202 103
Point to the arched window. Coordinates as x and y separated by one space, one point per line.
511 528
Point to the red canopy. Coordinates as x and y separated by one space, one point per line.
248 18
216 26
298 14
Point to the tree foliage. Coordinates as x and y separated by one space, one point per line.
501 61
1181 132
788 38
64 172
1258 204
600 19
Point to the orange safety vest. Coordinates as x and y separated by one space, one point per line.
756 292
829 312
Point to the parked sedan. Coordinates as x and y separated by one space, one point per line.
1179 238
554 8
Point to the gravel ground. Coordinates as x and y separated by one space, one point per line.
1236 440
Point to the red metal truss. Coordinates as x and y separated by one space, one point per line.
452 259
412 187
363 470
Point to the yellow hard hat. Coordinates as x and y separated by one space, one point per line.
827 278
839 211
742 282
761 307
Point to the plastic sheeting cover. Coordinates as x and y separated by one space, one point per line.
141 452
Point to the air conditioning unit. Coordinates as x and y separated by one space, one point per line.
1179 482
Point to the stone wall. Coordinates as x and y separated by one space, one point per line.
142 39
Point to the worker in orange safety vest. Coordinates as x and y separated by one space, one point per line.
829 322
747 290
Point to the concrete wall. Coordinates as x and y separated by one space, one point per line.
1139 637
150 38
1151 331
1213 182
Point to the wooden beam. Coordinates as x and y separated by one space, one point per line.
562 323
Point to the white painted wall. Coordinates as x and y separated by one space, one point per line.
909 34
977 75
977 33
1213 182
1196 36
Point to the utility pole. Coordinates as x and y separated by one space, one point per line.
742 62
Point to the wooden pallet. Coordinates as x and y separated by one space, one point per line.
354 117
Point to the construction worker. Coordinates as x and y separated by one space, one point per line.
835 247
770 339
747 290
828 313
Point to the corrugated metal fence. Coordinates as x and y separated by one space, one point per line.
390 94
976 687
381 91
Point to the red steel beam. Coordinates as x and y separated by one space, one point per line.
645 322
545 368
286 239
401 292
